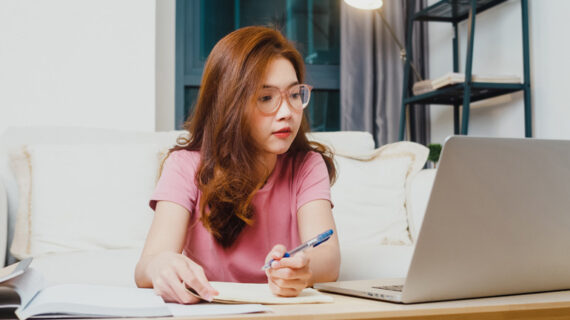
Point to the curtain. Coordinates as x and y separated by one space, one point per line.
372 72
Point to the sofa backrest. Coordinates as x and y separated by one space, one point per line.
93 147
12 140
370 195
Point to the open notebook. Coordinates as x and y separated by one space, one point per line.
23 289
22 292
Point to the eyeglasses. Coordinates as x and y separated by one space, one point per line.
269 99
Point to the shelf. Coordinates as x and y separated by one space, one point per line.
454 94
453 10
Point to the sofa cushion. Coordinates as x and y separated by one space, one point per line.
115 267
354 152
14 138
345 142
83 197
370 192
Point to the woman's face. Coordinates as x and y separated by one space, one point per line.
274 132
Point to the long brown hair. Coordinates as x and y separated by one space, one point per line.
229 172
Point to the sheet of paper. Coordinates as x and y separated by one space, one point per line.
231 292
210 309
14 270
96 300
27 285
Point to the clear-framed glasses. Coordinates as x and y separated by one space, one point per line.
270 98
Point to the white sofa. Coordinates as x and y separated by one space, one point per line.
76 199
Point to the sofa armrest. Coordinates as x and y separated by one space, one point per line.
3 224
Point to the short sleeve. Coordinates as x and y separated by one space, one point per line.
312 180
177 180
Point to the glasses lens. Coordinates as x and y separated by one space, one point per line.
268 99
299 96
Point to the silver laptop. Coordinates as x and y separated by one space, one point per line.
497 223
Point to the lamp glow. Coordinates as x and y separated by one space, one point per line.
365 4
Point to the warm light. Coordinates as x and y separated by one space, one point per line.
364 4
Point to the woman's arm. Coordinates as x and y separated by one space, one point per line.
315 217
289 276
162 264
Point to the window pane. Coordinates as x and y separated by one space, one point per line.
217 20
324 110
314 25
190 98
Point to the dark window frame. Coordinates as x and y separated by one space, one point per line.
188 72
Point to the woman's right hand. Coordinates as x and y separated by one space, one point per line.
171 273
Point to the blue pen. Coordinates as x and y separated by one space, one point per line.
309 244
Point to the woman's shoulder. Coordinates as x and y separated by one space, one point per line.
182 159
313 156
184 155
306 158
303 161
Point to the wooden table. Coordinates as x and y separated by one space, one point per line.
548 305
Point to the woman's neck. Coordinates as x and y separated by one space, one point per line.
268 162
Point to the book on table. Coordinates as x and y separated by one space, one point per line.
452 78
22 291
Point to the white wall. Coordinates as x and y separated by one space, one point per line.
165 57
498 50
78 62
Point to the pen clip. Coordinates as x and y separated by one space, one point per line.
323 237
321 241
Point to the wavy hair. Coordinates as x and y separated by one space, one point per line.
229 171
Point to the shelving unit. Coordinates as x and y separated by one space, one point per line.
455 11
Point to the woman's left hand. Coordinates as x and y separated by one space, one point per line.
287 277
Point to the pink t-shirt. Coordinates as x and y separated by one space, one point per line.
289 187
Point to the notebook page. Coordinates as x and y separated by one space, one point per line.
232 292
96 300
27 285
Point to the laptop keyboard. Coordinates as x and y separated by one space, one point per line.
391 288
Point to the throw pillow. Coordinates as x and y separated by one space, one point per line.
83 197
369 195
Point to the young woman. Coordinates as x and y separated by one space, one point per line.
247 185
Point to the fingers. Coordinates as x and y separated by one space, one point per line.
175 274
193 276
289 287
276 252
296 284
171 289
284 291
289 276
298 261
180 292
